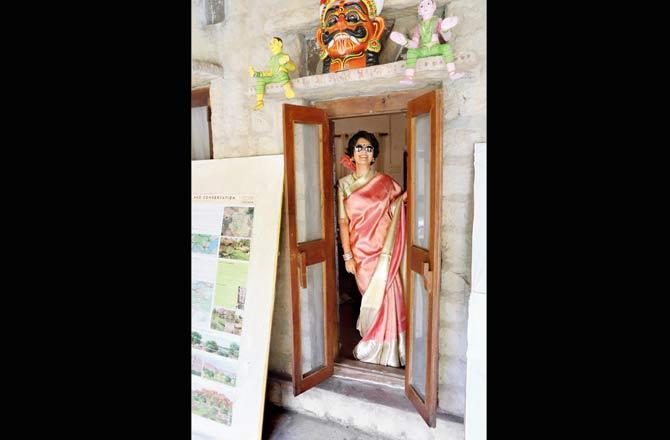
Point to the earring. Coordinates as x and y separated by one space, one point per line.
374 46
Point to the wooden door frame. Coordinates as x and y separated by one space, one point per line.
387 104
370 105
390 103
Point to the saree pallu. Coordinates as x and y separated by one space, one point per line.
376 232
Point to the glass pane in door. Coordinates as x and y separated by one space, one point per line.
308 182
419 336
421 173
312 320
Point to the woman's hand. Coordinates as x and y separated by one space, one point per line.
350 266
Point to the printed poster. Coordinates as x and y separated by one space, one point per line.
235 215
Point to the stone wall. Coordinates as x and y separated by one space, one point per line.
464 125
241 40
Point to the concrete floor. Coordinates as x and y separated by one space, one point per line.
279 424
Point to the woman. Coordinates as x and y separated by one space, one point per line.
372 230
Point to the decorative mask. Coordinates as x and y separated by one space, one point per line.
349 34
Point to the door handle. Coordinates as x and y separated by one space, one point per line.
427 277
302 269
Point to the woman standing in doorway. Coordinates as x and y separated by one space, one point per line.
372 230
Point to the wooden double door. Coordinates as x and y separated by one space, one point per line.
309 192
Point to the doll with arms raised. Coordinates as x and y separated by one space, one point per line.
425 40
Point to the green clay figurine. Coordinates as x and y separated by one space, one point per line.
280 65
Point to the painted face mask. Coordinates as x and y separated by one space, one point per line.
349 34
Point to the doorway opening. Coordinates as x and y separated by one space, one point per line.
390 131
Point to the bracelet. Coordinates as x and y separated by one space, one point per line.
347 256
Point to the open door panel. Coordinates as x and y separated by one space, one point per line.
424 171
309 200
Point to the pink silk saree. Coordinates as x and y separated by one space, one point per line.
376 216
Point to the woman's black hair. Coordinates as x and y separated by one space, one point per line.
366 135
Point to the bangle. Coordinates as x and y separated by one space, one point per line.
347 256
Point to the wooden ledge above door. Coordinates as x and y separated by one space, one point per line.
373 80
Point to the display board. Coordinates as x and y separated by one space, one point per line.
235 220
475 389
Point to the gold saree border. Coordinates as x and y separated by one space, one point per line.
391 353
349 184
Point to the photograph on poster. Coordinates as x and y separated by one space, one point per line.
229 321
204 243
201 302
212 404
235 248
220 369
222 344
231 282
238 221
